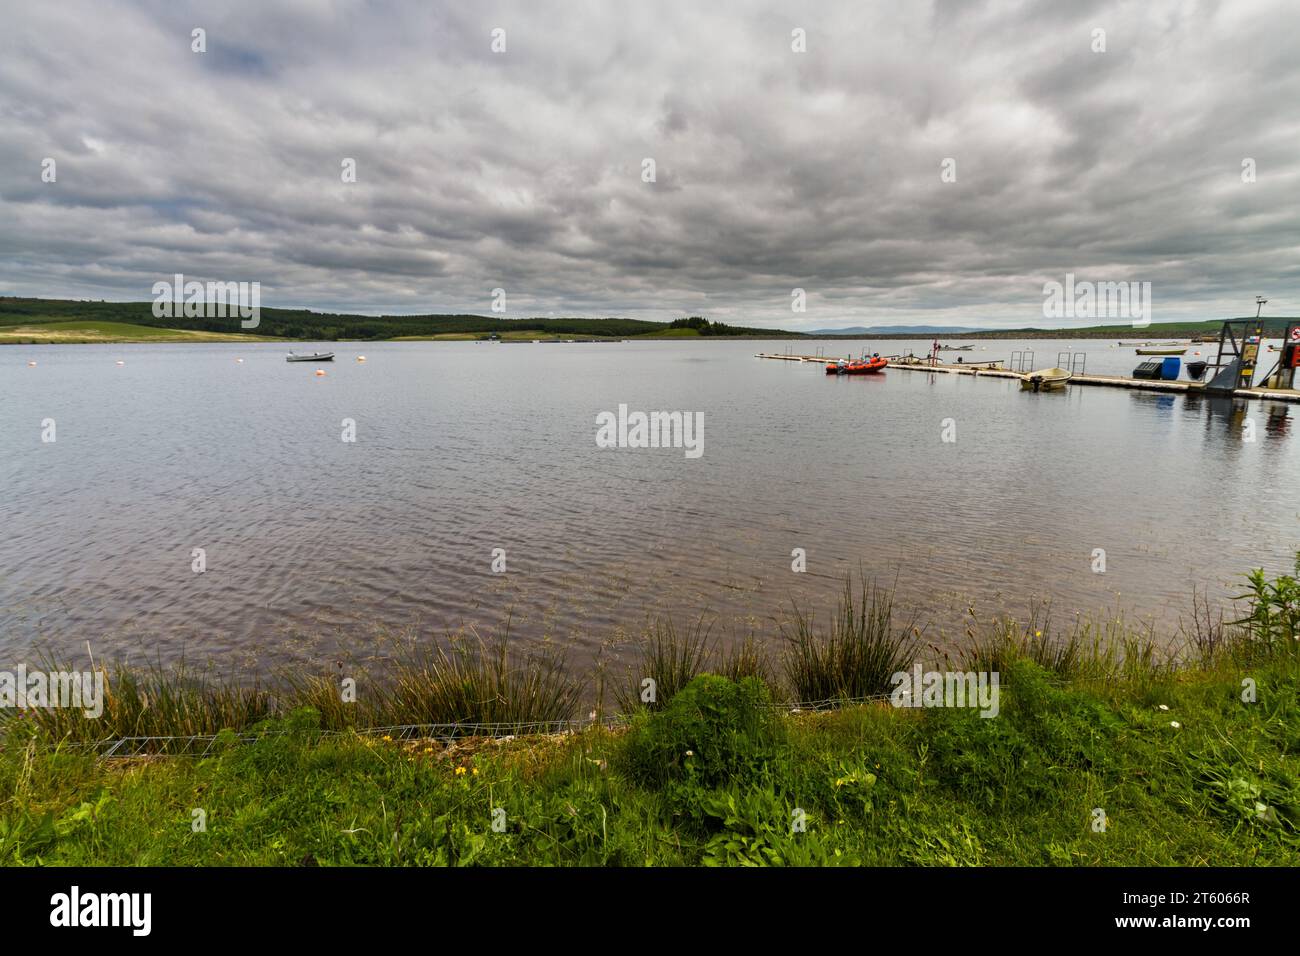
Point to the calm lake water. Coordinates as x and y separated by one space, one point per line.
317 547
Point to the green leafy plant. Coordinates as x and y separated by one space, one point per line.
1274 616
714 731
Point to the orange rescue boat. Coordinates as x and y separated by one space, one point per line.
861 367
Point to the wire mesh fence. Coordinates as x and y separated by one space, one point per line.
202 745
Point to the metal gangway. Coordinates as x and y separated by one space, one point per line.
1073 362
1021 361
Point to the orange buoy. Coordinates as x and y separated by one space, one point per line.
320 372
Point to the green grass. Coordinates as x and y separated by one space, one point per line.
86 331
874 786
1104 751
673 334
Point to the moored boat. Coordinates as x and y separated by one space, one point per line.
1044 380
310 357
1177 350
866 366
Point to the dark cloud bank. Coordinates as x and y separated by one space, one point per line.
774 169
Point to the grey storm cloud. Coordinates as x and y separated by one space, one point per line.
775 169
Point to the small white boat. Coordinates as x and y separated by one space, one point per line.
1044 380
1177 350
310 357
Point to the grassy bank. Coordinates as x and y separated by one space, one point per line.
29 315
1103 751
88 332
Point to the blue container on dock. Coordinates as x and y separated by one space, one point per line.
1169 368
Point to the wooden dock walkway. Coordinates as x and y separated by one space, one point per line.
787 357
992 370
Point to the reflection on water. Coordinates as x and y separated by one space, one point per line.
314 544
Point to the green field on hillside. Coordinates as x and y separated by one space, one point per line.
89 331
304 324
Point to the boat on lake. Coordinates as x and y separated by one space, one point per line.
310 357
1176 350
866 366
1044 380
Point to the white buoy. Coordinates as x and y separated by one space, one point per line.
121 363
31 364
361 358
240 361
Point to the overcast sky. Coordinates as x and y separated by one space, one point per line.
775 169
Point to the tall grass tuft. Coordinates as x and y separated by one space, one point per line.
748 658
858 655
471 682
158 701
1078 652
478 683
670 659
1102 653
1208 636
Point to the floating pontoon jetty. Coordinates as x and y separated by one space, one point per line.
993 370
1230 375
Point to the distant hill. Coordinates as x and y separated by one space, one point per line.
305 324
860 330
1155 332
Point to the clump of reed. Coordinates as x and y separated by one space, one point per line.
154 701
667 661
1008 639
748 658
468 682
1092 651
859 653
477 682
672 658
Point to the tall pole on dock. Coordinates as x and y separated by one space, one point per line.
1251 343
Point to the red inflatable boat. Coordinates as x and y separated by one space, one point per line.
867 367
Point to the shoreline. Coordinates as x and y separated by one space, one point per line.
870 784
1072 753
